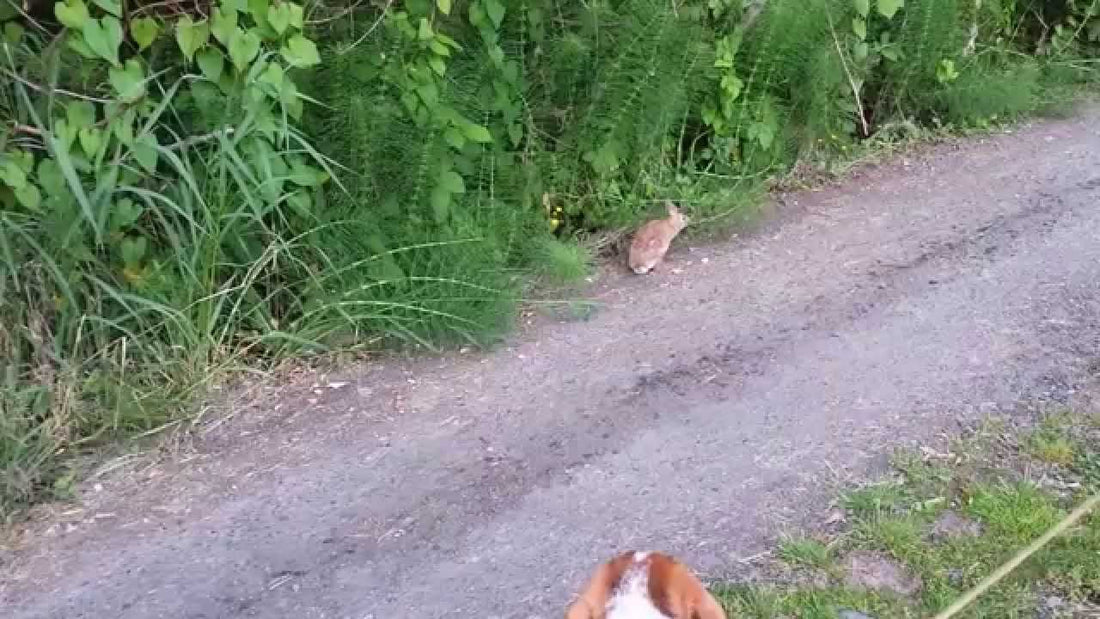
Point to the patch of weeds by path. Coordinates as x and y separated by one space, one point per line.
941 522
805 552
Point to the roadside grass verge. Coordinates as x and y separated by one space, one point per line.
945 520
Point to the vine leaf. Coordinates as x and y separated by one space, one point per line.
243 47
223 24
145 151
889 8
495 10
300 52
128 81
71 13
211 63
191 36
144 31
103 37
111 6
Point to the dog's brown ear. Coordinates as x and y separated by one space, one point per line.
678 592
592 603
708 608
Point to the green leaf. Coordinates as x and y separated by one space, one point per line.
76 43
13 33
124 213
90 140
111 6
144 31
859 28
133 250
51 178
439 48
301 203
605 159
452 182
11 174
476 133
211 63
444 6
234 5
307 176
273 75
731 86
145 151
437 65
429 94
495 10
860 51
103 37
424 33
278 17
243 47
292 103
29 196
763 133
300 52
863 7
223 24
448 41
80 114
64 134
297 15
258 10
515 133
128 81
191 36
888 8
123 127
455 138
22 159
8 10
441 203
72 14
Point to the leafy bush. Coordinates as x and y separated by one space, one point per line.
981 95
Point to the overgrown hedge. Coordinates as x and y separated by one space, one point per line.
187 186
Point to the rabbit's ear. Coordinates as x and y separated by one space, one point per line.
672 210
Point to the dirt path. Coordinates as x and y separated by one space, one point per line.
698 411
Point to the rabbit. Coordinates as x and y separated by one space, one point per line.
652 240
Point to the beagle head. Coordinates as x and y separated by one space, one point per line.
644 585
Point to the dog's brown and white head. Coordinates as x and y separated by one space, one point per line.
644 585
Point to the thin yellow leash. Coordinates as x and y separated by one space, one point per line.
1020 557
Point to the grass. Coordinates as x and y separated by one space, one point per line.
1005 489
805 552
561 261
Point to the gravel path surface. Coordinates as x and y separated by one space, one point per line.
698 411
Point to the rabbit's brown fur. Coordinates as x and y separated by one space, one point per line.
652 240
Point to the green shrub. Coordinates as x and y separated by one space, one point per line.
980 95
561 261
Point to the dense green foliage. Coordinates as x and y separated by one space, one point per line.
259 177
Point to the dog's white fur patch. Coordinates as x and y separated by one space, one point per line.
631 600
